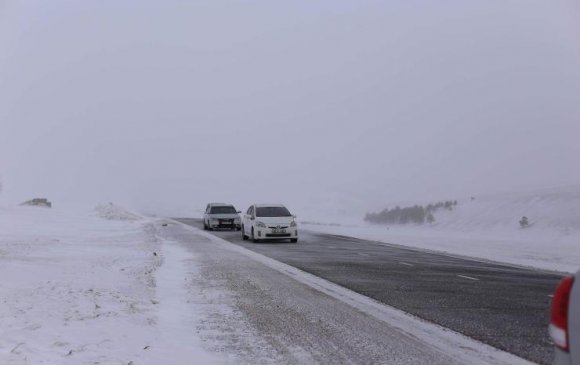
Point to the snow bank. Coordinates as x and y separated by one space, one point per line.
111 211
487 227
78 289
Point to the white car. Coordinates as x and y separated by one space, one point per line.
220 215
269 221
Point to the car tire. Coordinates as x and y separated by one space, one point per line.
294 240
244 237
254 239
204 226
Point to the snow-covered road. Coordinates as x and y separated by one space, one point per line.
279 314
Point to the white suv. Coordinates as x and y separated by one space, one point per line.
269 221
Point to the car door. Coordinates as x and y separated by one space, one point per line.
253 217
205 215
245 220
248 220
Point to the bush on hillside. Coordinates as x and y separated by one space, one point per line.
415 214
524 222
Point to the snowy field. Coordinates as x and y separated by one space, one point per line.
487 228
92 287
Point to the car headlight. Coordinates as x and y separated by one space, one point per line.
214 220
293 224
260 224
237 220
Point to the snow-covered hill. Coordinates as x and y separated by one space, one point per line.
488 227
555 212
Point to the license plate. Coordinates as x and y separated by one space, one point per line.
275 230
226 222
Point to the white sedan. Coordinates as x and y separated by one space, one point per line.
269 221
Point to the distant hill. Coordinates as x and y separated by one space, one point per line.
556 210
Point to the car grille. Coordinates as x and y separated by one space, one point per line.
278 227
274 235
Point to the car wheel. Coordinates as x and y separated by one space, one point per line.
244 237
294 240
204 226
254 239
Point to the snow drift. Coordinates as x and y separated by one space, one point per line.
111 211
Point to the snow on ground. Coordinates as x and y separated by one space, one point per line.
80 289
487 228
113 212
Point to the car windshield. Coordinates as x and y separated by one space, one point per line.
272 212
223 210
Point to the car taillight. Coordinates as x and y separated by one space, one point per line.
560 309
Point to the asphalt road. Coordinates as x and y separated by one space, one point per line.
504 306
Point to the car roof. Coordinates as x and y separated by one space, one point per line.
220 205
269 205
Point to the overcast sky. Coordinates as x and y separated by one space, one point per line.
166 105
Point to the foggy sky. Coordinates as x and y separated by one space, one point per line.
166 105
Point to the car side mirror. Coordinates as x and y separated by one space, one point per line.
239 212
252 218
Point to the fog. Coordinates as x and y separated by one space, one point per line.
163 106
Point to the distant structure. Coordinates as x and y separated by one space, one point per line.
38 202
